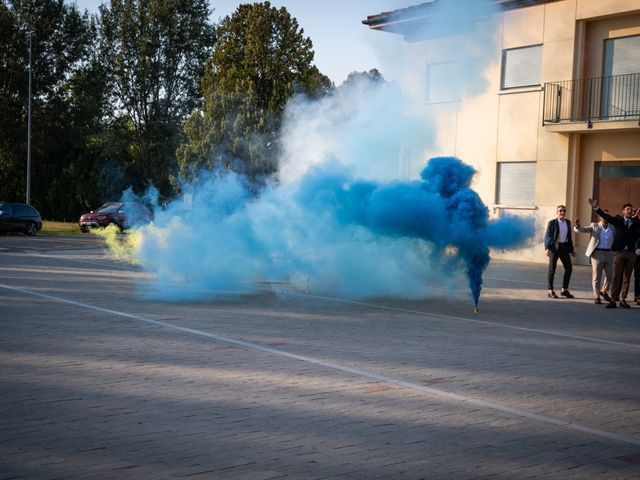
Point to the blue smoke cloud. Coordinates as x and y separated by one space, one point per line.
441 210
329 231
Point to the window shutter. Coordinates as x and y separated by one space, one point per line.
521 67
622 55
516 184
620 98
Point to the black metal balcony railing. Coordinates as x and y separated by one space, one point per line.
589 100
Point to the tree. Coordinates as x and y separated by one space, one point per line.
155 51
13 94
260 59
66 105
371 77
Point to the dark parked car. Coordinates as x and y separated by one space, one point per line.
121 214
19 217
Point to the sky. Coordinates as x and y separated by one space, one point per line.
342 44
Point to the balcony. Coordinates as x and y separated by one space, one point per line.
602 103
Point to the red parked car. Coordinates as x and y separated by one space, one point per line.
122 214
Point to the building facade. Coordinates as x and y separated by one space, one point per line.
554 117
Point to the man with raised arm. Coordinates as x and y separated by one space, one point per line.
599 250
626 233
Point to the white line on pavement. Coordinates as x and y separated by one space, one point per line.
354 371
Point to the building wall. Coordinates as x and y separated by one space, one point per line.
492 126
593 9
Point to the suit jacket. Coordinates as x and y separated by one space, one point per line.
551 236
594 229
623 236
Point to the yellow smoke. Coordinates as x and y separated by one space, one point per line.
121 246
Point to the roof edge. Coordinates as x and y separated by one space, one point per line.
423 10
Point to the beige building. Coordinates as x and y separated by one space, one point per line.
554 117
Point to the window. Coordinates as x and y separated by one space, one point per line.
620 88
443 81
618 171
516 184
5 210
20 211
622 55
521 67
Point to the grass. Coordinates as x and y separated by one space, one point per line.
50 227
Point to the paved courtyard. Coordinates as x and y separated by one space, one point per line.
98 383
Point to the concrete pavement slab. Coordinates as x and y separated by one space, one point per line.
100 383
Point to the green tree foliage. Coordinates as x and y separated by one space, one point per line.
371 77
65 109
154 52
13 93
261 58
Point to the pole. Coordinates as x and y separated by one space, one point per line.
29 129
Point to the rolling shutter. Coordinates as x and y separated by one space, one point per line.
622 55
516 184
620 97
521 67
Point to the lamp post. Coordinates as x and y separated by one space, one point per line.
30 33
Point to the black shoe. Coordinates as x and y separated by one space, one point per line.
566 293
637 300
552 294
598 301
606 296
624 304
611 304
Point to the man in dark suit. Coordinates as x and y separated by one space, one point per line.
625 236
636 270
559 245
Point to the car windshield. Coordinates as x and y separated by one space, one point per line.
109 208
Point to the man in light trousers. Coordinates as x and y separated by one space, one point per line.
599 250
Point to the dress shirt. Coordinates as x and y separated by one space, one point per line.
606 238
563 232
